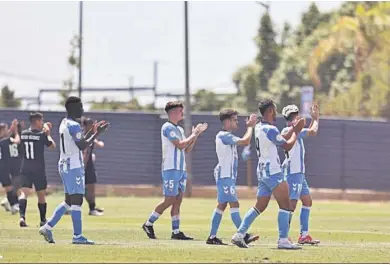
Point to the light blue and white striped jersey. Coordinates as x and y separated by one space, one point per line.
172 157
267 138
70 133
226 148
295 161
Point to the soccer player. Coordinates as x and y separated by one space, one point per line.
16 152
90 171
225 172
5 171
174 146
294 165
32 171
71 169
270 175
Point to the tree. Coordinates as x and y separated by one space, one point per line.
205 100
361 34
248 85
268 56
309 22
285 34
291 73
74 65
8 99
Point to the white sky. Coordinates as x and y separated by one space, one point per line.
122 39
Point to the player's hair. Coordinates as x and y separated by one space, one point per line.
265 104
35 116
71 100
227 114
292 116
172 105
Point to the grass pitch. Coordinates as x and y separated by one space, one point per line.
349 232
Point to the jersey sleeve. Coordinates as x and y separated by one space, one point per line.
229 139
274 136
75 131
303 133
170 133
46 140
285 130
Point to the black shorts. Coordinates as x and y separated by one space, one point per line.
15 169
5 177
90 175
38 179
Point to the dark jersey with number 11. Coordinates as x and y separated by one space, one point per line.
33 144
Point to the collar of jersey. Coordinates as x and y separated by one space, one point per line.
265 122
172 123
33 130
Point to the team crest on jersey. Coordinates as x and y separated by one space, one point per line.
172 134
78 135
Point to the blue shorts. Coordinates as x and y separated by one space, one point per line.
297 186
268 183
73 180
226 190
173 181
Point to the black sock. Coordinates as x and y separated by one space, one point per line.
22 208
92 205
42 211
12 199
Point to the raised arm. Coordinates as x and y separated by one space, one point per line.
82 141
250 123
191 146
172 136
16 138
315 120
290 142
287 132
49 140
13 128
274 136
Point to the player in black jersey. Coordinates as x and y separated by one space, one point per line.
90 170
5 171
32 172
16 154
15 160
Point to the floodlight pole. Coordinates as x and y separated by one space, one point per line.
187 110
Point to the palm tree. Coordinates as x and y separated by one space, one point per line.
365 33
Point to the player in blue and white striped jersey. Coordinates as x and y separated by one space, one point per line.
225 172
270 175
71 169
174 175
294 167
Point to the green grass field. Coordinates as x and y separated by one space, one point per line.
349 232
